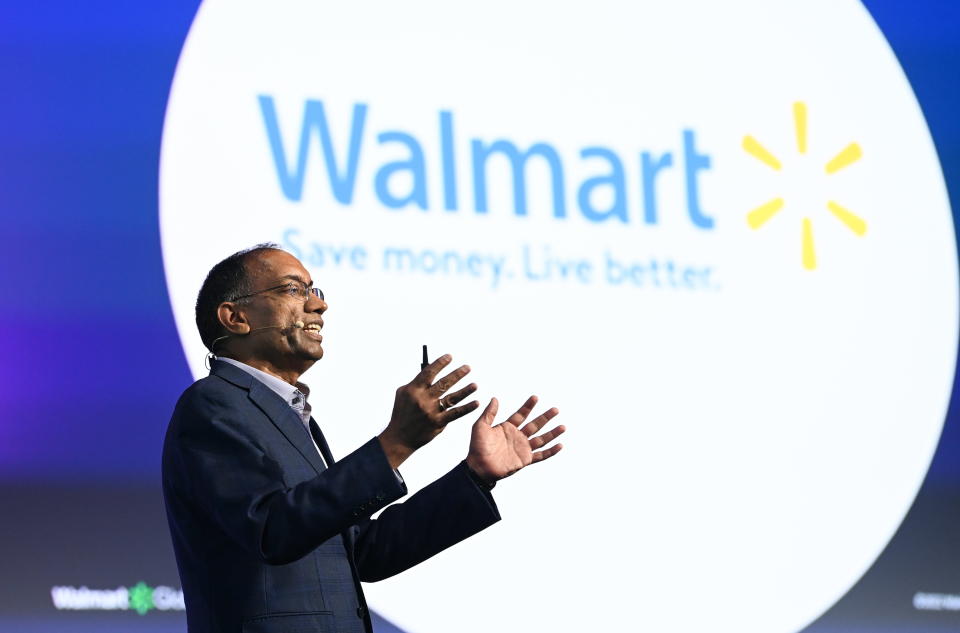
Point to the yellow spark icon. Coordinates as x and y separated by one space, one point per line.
844 158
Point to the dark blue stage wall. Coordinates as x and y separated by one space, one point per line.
94 362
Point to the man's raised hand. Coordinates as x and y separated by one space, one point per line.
499 451
422 408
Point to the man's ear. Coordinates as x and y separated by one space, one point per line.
232 318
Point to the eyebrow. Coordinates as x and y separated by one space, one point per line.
298 278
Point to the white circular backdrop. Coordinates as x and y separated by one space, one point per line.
745 433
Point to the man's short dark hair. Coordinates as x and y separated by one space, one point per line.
225 281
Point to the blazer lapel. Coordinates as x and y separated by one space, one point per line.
279 412
287 421
321 442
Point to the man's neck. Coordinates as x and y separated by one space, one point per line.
291 376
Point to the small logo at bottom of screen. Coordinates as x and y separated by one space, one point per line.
141 598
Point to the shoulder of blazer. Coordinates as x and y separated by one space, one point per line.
232 374
226 386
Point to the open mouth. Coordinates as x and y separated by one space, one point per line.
313 331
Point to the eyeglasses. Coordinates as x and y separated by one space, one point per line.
293 288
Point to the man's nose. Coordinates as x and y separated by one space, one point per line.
315 304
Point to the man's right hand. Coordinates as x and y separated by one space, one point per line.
422 409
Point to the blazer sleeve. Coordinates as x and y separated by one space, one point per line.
214 462
442 514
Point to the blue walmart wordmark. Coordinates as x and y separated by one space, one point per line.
342 165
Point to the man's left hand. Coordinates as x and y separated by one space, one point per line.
499 451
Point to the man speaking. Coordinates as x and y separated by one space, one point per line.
271 533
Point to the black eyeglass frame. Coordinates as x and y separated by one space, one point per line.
303 290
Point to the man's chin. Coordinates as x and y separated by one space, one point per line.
312 356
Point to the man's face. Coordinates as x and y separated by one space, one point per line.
285 347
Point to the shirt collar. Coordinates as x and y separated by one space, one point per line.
282 388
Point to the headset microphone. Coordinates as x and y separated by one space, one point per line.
296 324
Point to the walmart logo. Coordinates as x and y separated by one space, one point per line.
141 598
621 188
844 158
606 195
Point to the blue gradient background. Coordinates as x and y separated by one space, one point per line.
92 362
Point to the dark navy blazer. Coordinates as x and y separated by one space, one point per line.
269 539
